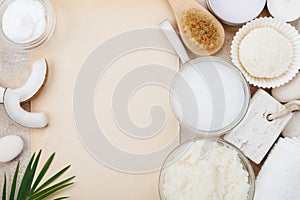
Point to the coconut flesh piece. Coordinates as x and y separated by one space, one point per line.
34 82
2 90
12 98
21 116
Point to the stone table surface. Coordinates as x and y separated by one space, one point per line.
14 71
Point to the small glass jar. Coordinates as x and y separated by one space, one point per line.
211 132
238 12
42 39
181 149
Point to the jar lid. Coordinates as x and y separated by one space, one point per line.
236 12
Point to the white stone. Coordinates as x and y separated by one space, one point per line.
10 147
293 129
289 91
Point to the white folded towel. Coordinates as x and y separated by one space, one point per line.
279 178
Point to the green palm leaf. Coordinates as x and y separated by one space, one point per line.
52 188
53 191
27 180
61 198
29 188
4 188
22 189
53 178
43 172
14 183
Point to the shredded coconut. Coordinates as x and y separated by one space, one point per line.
218 176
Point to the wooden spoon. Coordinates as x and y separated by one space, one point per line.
179 6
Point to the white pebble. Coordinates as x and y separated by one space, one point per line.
289 91
10 147
293 129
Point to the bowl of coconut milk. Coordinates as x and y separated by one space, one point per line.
26 24
209 96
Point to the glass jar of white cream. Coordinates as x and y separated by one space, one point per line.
26 24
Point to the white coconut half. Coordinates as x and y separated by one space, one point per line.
35 81
2 90
21 116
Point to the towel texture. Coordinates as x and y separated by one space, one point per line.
280 175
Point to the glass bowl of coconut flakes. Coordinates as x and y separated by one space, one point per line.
206 169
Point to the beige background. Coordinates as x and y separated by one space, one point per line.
81 26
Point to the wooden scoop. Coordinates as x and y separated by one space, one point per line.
179 6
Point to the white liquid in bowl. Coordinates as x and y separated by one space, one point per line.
209 95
